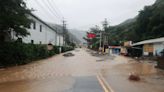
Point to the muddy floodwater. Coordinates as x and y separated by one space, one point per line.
60 74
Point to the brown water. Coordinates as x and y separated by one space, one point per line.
152 79
57 74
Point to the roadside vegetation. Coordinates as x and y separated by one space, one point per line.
148 24
16 53
14 18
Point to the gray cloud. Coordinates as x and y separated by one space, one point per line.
82 14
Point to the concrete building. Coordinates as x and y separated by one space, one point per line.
41 33
59 29
114 49
60 40
152 47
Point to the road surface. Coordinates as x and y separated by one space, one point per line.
84 72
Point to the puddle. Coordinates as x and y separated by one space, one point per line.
100 60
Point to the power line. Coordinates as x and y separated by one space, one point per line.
40 5
50 9
43 14
55 9
30 3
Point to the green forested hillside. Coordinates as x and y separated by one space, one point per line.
147 25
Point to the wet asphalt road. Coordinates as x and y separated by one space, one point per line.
87 84
81 73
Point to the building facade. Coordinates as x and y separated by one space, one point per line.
41 33
152 47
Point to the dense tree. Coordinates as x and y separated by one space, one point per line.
94 41
147 25
150 21
13 17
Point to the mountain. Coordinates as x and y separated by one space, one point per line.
149 24
59 29
78 34
128 21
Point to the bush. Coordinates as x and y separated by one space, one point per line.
56 49
67 48
63 48
17 53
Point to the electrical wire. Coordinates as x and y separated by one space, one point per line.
54 8
42 12
48 14
57 8
50 9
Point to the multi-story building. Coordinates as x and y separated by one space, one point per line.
41 33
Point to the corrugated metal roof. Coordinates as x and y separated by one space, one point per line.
157 40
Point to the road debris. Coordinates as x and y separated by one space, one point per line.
68 55
134 77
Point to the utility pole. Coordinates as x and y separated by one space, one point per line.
56 37
105 26
64 32
100 33
100 48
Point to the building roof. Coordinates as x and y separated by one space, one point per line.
58 28
115 47
157 40
42 21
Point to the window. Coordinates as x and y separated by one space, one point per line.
29 27
34 25
32 41
40 28
19 40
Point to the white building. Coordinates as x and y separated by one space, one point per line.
60 41
41 33
152 47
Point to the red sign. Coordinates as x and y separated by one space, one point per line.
91 35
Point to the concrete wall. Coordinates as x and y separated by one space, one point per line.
60 40
148 49
47 35
158 47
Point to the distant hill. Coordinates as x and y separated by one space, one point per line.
148 24
59 29
128 21
78 34
159 2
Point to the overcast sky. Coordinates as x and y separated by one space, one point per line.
83 14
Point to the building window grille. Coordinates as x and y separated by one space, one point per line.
40 28
34 25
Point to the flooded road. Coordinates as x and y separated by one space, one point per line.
79 74
152 80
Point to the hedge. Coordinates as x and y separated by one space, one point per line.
12 54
